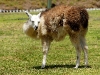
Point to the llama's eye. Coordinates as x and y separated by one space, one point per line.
33 22
38 22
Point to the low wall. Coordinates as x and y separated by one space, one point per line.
93 8
33 10
16 11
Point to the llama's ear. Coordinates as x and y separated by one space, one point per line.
28 14
39 14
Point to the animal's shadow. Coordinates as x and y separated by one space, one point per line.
59 66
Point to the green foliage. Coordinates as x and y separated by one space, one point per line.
21 55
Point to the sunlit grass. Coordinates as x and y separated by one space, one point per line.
21 55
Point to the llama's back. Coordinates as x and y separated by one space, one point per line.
60 20
66 15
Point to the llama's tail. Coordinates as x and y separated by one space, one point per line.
84 18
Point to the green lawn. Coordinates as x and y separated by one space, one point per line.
21 55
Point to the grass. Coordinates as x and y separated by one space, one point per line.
21 55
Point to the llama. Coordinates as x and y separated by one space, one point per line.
56 23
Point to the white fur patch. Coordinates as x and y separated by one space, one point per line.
29 30
26 26
43 26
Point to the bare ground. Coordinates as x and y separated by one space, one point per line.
32 4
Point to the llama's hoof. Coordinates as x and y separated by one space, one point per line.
75 67
87 66
43 66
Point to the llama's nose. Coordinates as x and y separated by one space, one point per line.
36 27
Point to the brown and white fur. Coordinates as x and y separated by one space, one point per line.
58 22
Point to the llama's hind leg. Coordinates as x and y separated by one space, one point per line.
85 49
78 52
76 42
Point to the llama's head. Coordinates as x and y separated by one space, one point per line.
34 19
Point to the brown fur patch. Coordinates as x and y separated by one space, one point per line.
73 16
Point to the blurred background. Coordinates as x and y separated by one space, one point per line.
35 4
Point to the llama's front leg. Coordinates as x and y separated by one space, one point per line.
46 44
44 59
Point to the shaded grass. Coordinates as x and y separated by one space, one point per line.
21 55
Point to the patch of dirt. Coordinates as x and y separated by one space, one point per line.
33 4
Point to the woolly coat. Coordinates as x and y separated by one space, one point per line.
61 20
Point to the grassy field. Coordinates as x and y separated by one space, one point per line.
21 55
